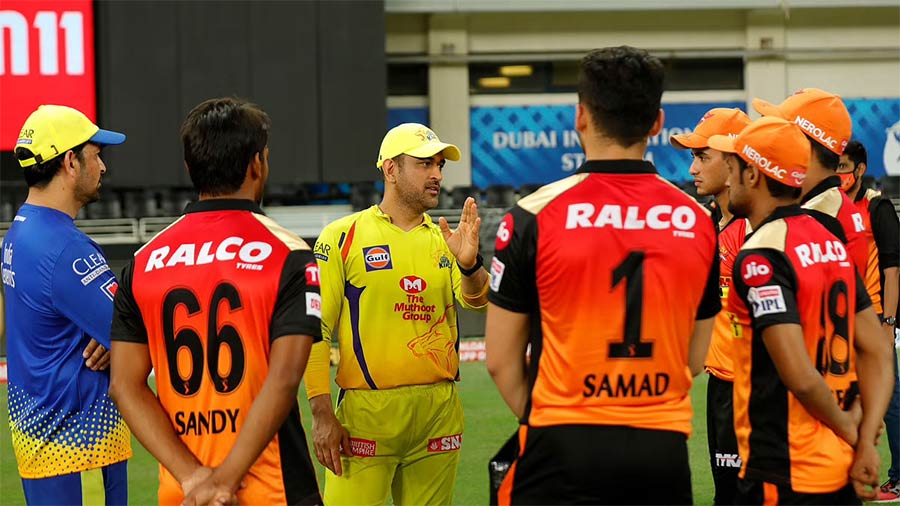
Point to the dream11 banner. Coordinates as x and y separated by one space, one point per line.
46 57
516 145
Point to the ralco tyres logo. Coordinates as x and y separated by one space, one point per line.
445 444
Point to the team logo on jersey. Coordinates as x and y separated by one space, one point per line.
312 274
362 447
756 270
504 233
110 288
413 284
445 444
767 299
378 258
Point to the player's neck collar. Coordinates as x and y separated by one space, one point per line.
626 166
223 205
823 186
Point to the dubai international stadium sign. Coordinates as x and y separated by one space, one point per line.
516 144
46 57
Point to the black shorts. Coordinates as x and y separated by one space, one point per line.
758 492
722 442
595 464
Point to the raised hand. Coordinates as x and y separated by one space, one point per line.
463 242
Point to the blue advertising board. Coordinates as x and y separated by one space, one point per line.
876 124
538 143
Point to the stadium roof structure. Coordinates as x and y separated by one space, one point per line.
461 6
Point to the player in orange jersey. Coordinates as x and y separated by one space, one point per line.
224 304
710 170
801 312
612 276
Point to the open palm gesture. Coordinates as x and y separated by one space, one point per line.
463 242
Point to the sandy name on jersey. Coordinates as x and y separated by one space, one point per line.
199 423
615 386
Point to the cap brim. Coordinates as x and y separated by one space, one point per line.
689 141
450 151
722 143
767 108
107 138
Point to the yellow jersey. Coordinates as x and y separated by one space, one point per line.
388 296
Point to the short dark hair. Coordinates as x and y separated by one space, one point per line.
828 158
778 189
622 88
856 152
39 175
220 137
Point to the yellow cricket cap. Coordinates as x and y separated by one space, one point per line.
416 140
52 130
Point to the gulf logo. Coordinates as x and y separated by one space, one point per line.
377 258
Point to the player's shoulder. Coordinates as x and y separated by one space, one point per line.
284 236
345 223
543 196
665 189
771 235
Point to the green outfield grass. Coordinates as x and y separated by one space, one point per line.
488 424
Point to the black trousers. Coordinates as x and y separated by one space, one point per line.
592 464
723 447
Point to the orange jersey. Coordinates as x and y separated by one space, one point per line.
614 265
834 209
719 360
208 295
791 270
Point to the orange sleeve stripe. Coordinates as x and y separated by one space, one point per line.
345 249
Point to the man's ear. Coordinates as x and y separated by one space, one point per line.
861 167
254 168
71 163
389 169
754 177
658 123
581 117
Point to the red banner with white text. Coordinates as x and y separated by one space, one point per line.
46 57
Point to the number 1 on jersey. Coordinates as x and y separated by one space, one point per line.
632 271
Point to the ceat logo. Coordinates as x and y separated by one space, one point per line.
412 284
756 270
312 274
377 258
445 444
504 233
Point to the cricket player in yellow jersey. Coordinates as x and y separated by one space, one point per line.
389 279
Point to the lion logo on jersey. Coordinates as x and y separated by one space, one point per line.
437 343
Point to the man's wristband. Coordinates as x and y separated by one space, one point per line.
890 320
479 261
